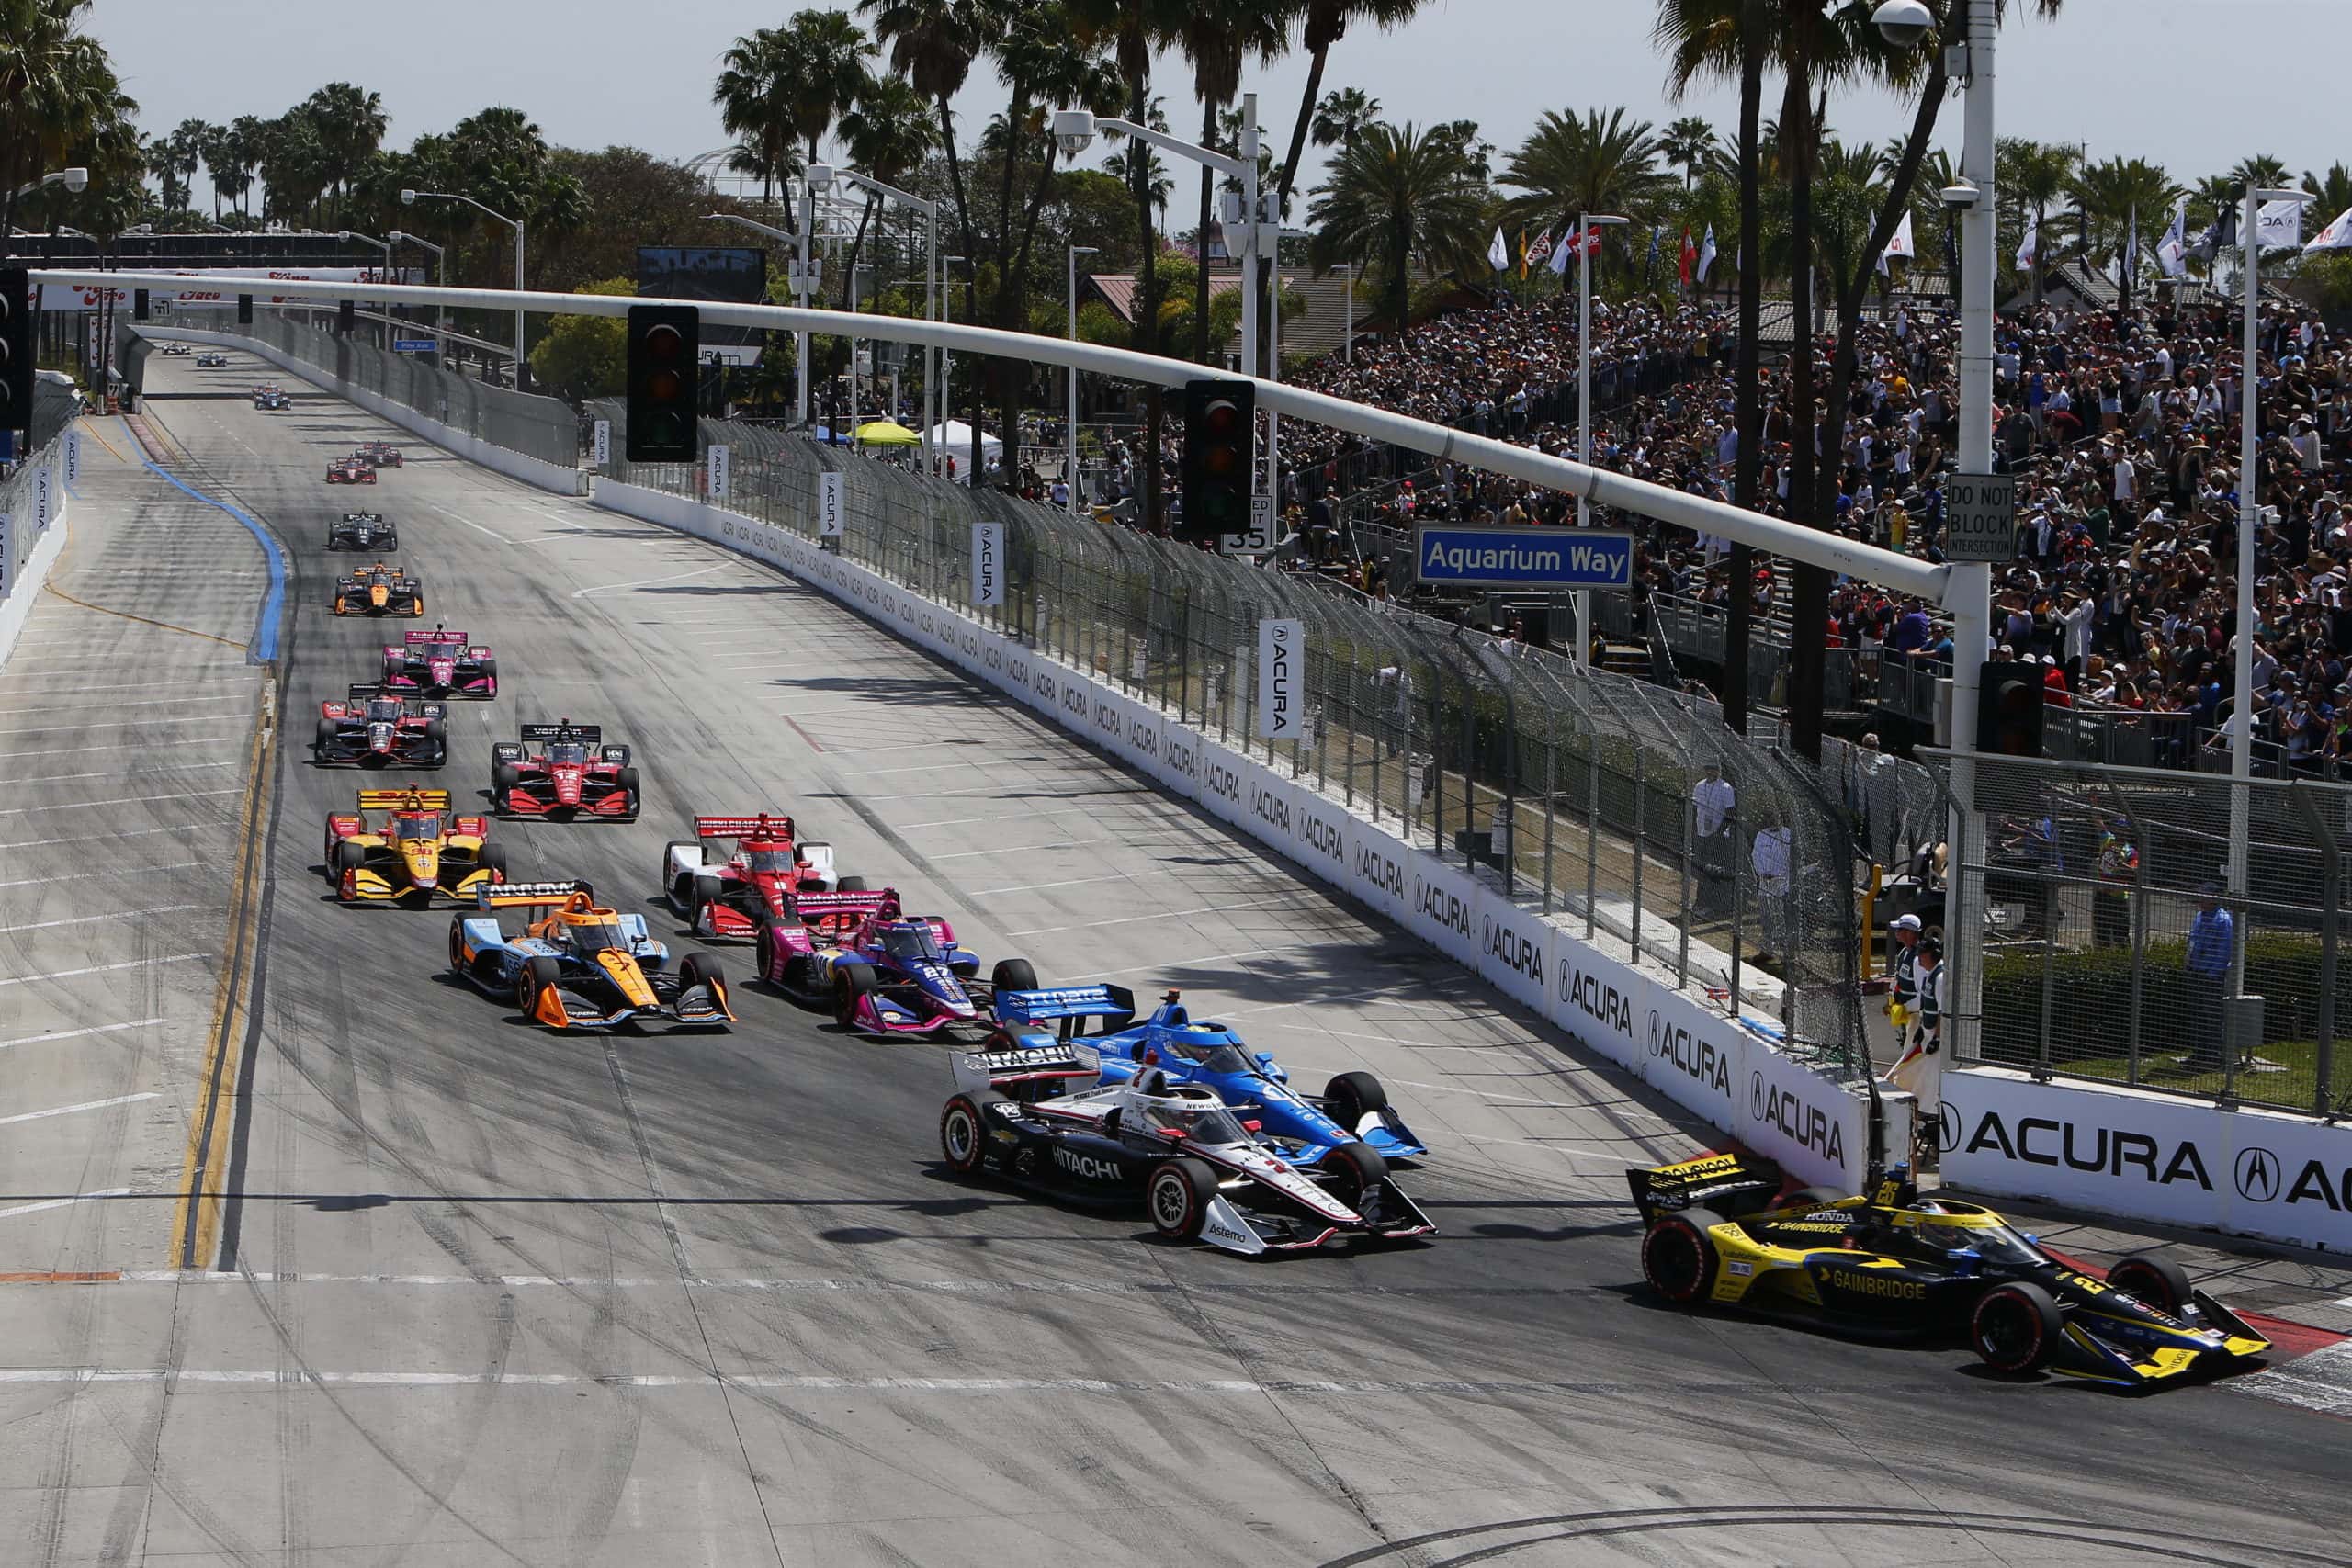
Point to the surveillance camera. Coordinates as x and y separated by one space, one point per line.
1960 197
408 199
1073 128
1903 23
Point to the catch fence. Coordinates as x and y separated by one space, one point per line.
1624 807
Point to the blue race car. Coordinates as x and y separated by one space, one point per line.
1172 1049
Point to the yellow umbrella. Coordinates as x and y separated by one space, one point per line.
887 433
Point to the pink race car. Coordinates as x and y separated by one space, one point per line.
440 663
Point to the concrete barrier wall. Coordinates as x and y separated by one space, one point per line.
532 471
32 562
1731 1076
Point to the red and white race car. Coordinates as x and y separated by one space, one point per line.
350 471
728 896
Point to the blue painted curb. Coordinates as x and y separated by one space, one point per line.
265 648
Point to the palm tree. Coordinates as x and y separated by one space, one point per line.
351 128
1327 22
822 56
1343 112
2033 174
932 44
1688 142
2334 189
183 154
2108 196
58 93
887 133
1218 38
1399 196
2259 170
749 93
1570 165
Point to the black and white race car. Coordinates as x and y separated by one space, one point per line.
362 531
213 361
1041 1119
177 351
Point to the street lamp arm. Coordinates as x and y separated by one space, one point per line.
772 232
928 209
514 223
1168 144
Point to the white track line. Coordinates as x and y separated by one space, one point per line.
108 838
1041 886
1162 915
113 724
104 708
94 919
470 522
120 799
102 773
65 1202
121 746
125 871
1025 849
650 582
78 1034
786 1382
75 1110
105 968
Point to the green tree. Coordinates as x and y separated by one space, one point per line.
2259 170
1687 144
1571 165
585 357
349 123
753 108
1400 196
887 133
1343 112
1218 38
1324 23
2333 188
2030 176
59 94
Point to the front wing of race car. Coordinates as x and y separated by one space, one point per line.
2128 1351
459 885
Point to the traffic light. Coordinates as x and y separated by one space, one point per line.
664 348
1220 454
139 304
244 310
16 350
2009 709
347 316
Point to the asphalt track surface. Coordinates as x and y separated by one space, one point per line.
469 1292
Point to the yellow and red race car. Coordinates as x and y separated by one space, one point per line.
582 965
416 853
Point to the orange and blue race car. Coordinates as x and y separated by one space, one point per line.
581 965
416 853
1890 1264
379 590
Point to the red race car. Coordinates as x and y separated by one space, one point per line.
562 770
350 471
378 455
727 897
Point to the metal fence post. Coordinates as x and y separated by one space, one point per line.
2331 868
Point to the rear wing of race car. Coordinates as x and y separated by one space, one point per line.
1733 1183
763 825
412 799
541 734
360 692
1077 1066
533 895
1071 1004
835 906
426 639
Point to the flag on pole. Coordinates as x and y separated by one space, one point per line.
1498 253
2172 251
1706 255
1522 255
2030 248
1540 252
1563 254
1898 244
2222 236
2280 226
2131 248
1690 257
1651 260
2337 236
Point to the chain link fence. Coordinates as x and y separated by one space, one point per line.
545 428
1624 807
2110 949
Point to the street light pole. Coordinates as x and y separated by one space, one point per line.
933 297
410 197
1070 429
1586 223
441 276
347 235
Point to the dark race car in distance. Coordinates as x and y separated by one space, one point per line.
213 361
441 664
378 455
562 770
363 531
1038 1119
1892 1264
273 399
374 727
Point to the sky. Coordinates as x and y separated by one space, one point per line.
2192 84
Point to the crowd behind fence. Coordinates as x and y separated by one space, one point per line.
1622 806
2112 948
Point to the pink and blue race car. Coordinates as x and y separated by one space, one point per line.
440 663
889 973
1170 1049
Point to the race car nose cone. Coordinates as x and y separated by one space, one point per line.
377 594
379 736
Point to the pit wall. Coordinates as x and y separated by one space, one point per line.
2149 1157
29 550
533 472
1732 1077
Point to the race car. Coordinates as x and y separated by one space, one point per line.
895 974
347 471
1177 1049
1041 1120
379 455
1893 1264
376 728
362 531
441 664
417 853
272 397
214 361
176 350
583 967
725 899
379 590
574 773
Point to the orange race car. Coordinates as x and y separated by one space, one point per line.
582 965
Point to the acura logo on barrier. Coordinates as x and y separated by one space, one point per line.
1756 1094
1947 1126
2257 1175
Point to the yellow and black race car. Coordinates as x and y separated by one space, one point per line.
416 853
379 590
1893 1264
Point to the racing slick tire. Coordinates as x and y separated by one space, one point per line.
2015 1328
850 981
438 731
850 885
626 781
1177 1196
682 885
1353 1096
763 949
490 674
456 946
700 969
392 543
705 890
2153 1280
1013 974
537 974
347 856
504 777
493 859
962 1133
326 735
1679 1260
1355 1168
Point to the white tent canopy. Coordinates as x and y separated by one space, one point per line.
954 438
